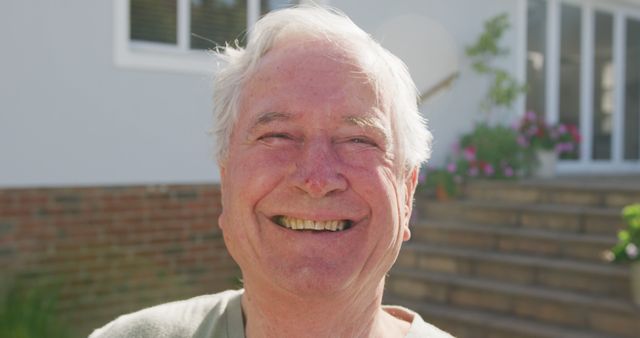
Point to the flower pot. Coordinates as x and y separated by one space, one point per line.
546 167
442 194
635 282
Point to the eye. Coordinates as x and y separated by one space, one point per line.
275 138
361 140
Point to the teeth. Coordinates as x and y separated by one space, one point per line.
306 224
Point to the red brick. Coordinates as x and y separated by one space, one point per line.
99 237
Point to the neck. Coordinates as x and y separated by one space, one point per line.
279 313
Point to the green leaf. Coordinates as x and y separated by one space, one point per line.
504 88
631 215
623 236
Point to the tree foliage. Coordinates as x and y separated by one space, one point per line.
504 88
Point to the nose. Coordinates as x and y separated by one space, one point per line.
318 170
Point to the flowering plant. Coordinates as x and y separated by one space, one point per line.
629 238
534 133
441 182
489 152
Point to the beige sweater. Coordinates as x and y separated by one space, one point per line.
216 316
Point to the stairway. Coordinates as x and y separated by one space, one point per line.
520 260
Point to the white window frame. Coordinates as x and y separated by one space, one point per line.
620 11
166 57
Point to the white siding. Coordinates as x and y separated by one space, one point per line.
455 111
69 116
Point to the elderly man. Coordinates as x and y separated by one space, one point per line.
319 145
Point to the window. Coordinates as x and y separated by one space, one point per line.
632 92
536 55
603 83
570 64
583 68
153 21
175 35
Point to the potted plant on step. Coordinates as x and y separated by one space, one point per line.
626 250
543 143
443 184
489 152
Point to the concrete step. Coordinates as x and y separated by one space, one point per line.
511 240
521 260
468 323
560 274
527 302
560 218
584 191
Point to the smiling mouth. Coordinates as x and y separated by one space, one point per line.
306 224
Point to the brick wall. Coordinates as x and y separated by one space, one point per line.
115 249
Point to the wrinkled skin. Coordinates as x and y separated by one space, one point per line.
311 143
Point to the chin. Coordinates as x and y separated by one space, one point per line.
314 278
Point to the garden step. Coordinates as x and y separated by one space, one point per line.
554 273
546 305
512 240
585 191
468 323
561 218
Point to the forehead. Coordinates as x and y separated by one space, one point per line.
307 54
308 74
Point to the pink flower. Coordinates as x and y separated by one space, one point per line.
451 167
470 153
488 169
565 147
631 250
522 141
531 116
508 171
562 129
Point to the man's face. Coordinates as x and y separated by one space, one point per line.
312 149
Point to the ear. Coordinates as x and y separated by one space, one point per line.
410 184
222 171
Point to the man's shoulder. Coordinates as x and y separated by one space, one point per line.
419 327
423 329
174 319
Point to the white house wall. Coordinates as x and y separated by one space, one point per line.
69 116
456 110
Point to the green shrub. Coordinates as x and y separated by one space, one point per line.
28 310
626 250
489 152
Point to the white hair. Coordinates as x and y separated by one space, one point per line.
388 74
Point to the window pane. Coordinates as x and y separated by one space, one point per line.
632 88
153 20
536 54
214 22
570 57
269 5
603 86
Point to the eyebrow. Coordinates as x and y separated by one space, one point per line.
364 121
368 122
266 118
